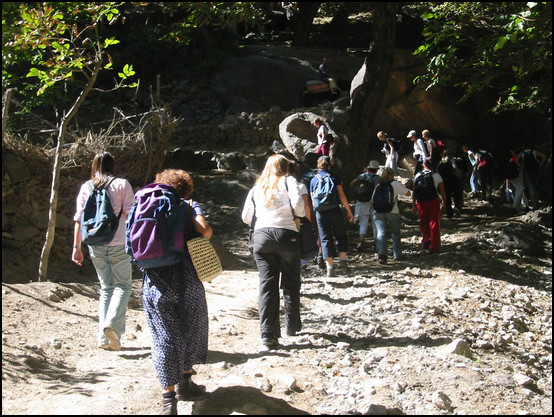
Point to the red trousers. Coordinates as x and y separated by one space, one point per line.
430 223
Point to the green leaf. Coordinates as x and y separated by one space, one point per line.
500 43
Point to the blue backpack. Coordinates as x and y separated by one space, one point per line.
157 227
324 194
383 197
98 221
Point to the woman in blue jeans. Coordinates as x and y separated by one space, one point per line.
112 264
390 220
276 246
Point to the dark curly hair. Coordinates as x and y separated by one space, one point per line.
177 178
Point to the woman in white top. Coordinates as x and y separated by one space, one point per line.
276 246
322 144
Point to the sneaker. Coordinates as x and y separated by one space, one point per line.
400 258
426 244
383 260
114 340
104 346
360 247
188 390
330 272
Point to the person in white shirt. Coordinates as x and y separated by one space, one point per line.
276 246
420 150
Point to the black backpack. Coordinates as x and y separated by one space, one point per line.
512 171
530 163
363 190
446 170
383 197
424 187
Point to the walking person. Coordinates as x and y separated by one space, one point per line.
323 145
514 182
451 174
363 212
474 176
432 148
427 203
111 262
276 246
327 195
390 149
420 151
174 302
485 168
531 161
389 219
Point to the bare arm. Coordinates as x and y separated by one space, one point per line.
344 201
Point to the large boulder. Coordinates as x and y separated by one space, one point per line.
299 135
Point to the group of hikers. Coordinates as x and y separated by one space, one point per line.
173 296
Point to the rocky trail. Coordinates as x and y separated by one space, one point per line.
468 331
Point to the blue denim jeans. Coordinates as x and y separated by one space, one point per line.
115 274
331 226
382 222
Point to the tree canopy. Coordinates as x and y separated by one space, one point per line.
503 49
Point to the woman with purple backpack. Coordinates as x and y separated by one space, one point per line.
176 310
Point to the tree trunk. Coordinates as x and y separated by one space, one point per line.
306 13
351 156
51 230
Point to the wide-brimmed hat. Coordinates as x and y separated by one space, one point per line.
373 165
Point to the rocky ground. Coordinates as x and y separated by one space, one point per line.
468 331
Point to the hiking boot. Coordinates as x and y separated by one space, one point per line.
169 406
189 390
112 337
330 272
360 247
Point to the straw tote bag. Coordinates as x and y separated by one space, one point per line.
204 257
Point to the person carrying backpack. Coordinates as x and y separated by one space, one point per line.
173 297
426 202
514 182
106 244
485 168
362 188
451 173
386 214
531 161
327 195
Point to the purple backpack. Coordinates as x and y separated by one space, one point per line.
157 228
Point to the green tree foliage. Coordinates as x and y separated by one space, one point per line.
55 44
504 49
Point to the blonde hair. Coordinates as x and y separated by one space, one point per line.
382 133
276 166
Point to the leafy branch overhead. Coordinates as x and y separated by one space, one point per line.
504 49
64 42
